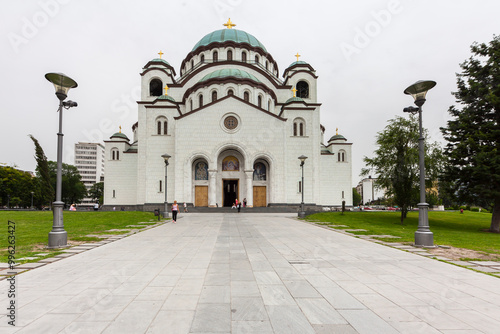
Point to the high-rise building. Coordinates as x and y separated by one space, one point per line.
89 160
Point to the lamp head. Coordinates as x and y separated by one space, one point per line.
166 157
302 159
419 89
62 84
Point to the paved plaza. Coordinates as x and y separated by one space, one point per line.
251 273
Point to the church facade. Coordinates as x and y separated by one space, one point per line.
233 128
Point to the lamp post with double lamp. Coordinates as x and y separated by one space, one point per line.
302 213
165 211
423 235
58 237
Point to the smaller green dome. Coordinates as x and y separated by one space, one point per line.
229 72
324 149
294 99
166 97
161 60
337 137
298 63
119 135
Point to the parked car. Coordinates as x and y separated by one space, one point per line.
390 208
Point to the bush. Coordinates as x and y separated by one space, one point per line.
474 209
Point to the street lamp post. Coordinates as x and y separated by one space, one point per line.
165 211
58 236
302 213
32 200
423 235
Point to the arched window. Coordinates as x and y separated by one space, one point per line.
190 104
115 154
215 56
299 127
269 105
202 58
230 92
256 59
155 87
192 63
214 96
161 126
200 100
246 96
229 55
267 64
341 156
259 101
244 57
302 89
259 171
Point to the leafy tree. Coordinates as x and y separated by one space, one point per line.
356 197
473 134
73 189
45 190
96 192
396 162
18 185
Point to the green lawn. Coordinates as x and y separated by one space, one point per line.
33 227
465 230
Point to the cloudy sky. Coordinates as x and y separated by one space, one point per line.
366 52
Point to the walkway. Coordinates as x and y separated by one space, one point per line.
251 273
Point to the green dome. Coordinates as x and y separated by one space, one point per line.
229 72
294 99
298 63
337 137
234 35
119 135
166 97
161 60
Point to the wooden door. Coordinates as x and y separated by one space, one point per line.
201 195
259 196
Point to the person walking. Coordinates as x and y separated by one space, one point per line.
245 202
175 209
239 207
185 207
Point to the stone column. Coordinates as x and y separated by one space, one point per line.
249 177
212 191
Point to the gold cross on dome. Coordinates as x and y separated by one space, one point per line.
294 90
229 24
297 55
120 128
337 131
160 53
166 89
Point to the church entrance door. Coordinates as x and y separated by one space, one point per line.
200 196
259 196
229 192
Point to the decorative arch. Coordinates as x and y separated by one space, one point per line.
342 156
244 56
200 100
259 100
155 87
246 95
215 56
229 55
302 89
115 154
214 95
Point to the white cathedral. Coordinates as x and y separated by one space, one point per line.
233 128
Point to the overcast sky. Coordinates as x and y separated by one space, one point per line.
365 53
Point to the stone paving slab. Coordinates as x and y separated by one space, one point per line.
258 273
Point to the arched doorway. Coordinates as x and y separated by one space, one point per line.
260 183
230 177
200 182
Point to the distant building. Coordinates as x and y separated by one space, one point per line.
89 160
368 191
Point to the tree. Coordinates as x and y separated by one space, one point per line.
96 192
473 133
356 197
73 189
17 185
45 190
396 162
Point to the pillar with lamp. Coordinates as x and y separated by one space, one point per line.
58 236
165 209
302 213
423 235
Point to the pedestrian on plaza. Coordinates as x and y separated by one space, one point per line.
185 207
239 207
245 202
175 209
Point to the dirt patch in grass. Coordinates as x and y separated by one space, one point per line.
459 254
